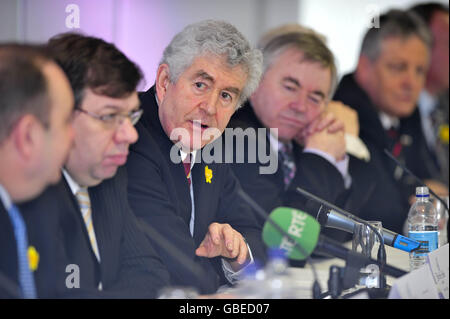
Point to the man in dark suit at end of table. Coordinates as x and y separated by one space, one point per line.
384 90
433 102
206 72
36 104
99 232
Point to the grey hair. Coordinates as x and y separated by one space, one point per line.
310 43
394 23
218 38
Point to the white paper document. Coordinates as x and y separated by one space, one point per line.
428 282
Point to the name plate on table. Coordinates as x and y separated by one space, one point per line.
428 282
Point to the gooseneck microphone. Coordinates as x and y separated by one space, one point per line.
330 218
301 250
417 179
305 231
381 256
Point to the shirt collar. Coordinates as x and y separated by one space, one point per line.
427 103
5 198
275 143
388 121
184 155
74 187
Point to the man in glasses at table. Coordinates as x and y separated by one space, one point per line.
102 243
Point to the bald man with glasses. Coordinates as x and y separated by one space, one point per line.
101 242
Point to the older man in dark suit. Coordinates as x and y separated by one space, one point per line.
103 249
292 107
384 90
207 70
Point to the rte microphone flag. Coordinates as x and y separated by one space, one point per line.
299 225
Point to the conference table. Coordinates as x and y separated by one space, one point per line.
300 280
303 278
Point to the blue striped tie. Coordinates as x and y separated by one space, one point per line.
26 279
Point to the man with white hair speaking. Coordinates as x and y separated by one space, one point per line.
207 70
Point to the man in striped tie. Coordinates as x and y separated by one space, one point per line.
36 104
100 236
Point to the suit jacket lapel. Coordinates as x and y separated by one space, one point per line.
152 123
76 207
8 246
202 193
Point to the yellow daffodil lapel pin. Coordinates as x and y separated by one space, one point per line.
33 258
208 174
443 133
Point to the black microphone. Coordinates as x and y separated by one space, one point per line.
331 218
417 179
381 250
316 286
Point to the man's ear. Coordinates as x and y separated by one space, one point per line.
364 68
162 81
27 136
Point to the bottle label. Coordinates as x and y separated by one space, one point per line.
428 242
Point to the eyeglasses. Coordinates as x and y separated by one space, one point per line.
115 119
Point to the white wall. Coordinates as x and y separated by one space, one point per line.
344 23
140 28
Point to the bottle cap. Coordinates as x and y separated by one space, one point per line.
422 191
276 253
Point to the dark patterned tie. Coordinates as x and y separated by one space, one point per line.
287 163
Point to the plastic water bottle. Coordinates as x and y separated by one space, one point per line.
423 227
278 282
252 285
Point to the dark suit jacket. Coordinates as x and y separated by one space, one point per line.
9 281
389 202
314 174
129 267
159 194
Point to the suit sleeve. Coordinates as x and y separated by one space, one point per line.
236 212
141 268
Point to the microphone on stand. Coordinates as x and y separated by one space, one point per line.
381 256
304 230
297 246
328 217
